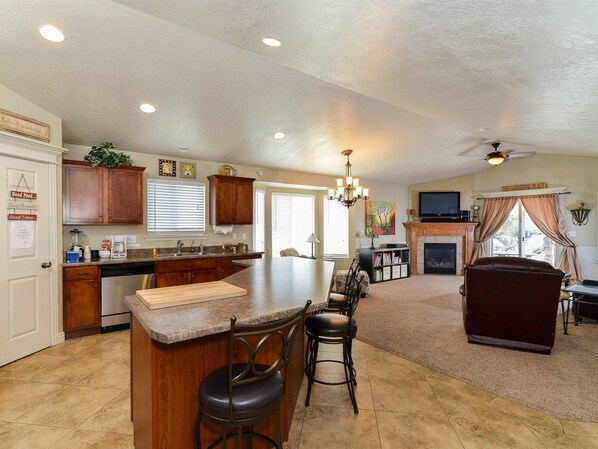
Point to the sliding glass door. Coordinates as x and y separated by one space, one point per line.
520 237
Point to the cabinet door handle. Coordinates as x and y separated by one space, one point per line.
46 264
83 274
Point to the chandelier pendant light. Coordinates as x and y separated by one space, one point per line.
347 189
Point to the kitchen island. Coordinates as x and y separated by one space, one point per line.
173 349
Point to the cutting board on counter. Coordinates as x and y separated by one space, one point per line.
181 295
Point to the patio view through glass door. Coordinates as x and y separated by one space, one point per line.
520 237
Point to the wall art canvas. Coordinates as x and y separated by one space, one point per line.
188 170
166 167
380 218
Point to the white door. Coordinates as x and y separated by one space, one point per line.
25 290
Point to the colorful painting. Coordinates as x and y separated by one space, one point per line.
380 218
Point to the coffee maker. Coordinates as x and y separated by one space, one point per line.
118 246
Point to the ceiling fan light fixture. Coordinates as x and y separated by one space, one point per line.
495 159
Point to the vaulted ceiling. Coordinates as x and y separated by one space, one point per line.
411 85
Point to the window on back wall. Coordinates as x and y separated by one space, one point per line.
175 208
336 229
292 222
259 229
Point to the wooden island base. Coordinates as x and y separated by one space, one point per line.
165 379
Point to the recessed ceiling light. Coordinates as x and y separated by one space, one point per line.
148 108
484 130
183 149
270 41
51 33
278 135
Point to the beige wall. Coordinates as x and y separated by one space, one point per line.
579 174
380 191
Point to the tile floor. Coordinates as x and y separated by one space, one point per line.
76 396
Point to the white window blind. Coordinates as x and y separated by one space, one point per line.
259 229
336 229
175 207
292 222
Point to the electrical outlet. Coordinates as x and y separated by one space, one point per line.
571 233
243 236
234 236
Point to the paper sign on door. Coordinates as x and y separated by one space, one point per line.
22 234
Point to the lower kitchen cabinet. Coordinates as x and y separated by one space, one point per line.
81 312
190 271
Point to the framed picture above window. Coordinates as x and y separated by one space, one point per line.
188 170
167 167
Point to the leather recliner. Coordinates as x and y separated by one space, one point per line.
511 302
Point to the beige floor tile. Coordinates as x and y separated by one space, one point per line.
392 367
114 374
114 417
526 413
493 434
554 439
22 436
23 397
80 439
459 399
588 429
338 395
71 371
28 367
294 434
349 431
70 407
395 395
407 431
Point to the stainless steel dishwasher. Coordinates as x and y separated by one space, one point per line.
118 281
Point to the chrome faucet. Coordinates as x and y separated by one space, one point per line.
200 247
179 247
191 249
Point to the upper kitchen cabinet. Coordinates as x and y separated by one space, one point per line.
231 200
101 195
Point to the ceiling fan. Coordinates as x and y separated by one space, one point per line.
497 157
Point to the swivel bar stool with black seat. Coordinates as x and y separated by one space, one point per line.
334 328
242 394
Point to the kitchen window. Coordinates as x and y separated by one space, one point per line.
259 219
175 208
292 222
336 229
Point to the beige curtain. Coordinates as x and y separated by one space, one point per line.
495 213
545 212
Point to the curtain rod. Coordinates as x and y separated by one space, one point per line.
558 190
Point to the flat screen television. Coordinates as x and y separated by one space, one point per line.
439 205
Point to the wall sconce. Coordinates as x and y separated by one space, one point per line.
580 215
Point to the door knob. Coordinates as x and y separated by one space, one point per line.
46 264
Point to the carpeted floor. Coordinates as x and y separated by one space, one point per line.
420 318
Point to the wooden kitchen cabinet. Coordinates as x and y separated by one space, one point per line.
231 200
227 266
190 271
101 195
81 311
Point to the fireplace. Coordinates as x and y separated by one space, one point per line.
440 258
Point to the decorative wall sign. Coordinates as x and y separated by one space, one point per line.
380 217
22 217
25 126
24 195
22 205
167 167
535 185
188 170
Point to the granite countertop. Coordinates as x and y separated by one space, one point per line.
277 287
146 256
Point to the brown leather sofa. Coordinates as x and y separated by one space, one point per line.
511 302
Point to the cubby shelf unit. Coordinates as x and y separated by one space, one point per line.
385 264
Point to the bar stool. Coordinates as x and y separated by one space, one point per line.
339 300
242 394
333 328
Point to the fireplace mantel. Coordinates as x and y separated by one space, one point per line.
463 232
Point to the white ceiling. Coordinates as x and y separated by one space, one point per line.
406 83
